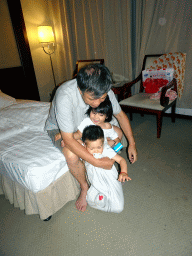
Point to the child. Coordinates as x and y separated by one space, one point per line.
100 116
105 192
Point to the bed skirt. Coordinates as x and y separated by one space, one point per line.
46 202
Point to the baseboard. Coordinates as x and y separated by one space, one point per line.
181 111
178 116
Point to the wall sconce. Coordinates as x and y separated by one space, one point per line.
46 38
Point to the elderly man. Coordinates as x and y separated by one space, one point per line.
71 101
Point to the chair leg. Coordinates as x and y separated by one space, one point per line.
159 124
173 113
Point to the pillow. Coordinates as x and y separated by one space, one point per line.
31 115
6 100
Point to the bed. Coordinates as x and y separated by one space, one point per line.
34 175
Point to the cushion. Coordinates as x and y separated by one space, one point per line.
6 100
142 100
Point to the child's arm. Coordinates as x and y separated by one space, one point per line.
116 141
123 176
113 139
77 135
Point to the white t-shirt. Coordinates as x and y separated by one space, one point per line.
108 133
105 192
93 172
68 108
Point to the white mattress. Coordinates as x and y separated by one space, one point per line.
27 154
31 159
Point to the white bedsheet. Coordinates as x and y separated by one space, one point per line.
23 116
26 151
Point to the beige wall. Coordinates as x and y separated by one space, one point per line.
36 13
9 56
45 12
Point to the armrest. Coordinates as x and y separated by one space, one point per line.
124 91
130 84
164 101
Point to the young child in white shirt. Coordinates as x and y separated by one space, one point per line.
105 192
101 116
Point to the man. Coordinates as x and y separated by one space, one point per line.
68 109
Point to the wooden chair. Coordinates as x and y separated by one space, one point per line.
141 102
82 63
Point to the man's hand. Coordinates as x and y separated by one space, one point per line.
76 148
126 127
132 152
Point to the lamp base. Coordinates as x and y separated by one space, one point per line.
48 48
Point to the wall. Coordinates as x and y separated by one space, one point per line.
36 13
9 56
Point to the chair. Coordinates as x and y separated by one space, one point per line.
141 102
82 63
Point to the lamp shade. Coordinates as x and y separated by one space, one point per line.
45 34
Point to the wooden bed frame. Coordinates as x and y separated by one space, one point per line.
14 83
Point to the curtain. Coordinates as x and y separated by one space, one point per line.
122 32
145 23
117 37
91 29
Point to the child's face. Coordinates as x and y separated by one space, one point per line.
94 146
97 118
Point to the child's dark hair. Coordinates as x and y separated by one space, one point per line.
104 108
92 133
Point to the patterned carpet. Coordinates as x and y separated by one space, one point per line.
157 219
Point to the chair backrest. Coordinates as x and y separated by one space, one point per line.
148 60
175 61
82 63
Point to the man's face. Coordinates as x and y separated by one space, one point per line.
90 100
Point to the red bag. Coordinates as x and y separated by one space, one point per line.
153 80
153 85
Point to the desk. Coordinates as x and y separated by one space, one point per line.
116 88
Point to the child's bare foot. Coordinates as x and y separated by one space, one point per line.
57 136
81 202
